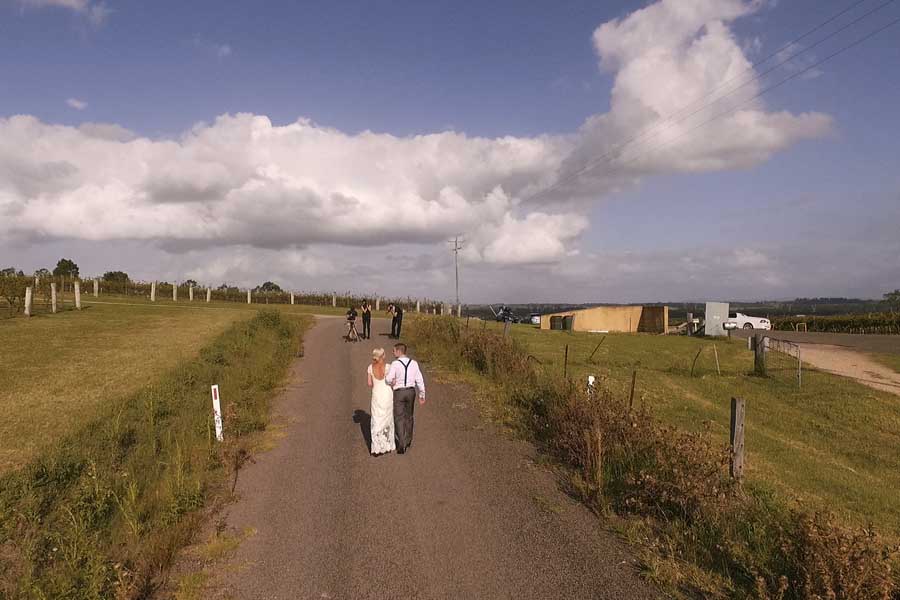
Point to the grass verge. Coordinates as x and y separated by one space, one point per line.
701 533
831 442
891 361
60 368
102 512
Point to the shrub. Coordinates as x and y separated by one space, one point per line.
623 459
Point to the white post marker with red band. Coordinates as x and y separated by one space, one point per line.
217 412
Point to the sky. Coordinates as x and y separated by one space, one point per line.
612 151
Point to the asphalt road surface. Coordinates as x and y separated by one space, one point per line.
466 513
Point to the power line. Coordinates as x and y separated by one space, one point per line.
610 155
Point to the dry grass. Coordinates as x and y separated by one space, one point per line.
101 511
702 534
56 370
833 443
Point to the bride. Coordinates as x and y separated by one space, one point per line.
382 405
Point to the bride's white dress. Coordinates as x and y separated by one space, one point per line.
382 415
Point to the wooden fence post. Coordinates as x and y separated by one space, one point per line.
597 348
28 301
738 410
208 294
631 396
78 295
153 292
96 288
53 297
759 354
693 364
716 352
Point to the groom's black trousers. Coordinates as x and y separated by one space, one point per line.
404 405
367 325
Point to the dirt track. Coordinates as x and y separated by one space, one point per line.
844 354
465 514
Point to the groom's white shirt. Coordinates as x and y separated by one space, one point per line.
395 375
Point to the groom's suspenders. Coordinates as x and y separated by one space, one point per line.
405 369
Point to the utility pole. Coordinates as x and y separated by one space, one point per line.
456 248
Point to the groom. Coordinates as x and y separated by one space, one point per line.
404 377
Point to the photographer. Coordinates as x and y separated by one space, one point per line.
352 334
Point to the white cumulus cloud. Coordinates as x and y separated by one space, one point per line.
243 181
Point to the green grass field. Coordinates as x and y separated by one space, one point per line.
127 459
56 370
892 361
832 443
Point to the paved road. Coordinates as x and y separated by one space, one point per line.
465 514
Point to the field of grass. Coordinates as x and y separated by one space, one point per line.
833 443
660 465
892 361
102 506
56 370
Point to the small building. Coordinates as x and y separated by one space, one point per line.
625 319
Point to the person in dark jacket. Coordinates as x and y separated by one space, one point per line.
366 310
396 320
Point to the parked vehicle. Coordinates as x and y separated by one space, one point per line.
743 321
506 314
535 318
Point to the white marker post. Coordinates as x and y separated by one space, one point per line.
96 288
217 412
208 294
418 306
28 301
248 296
174 292
334 300
292 298
153 292
53 297
191 293
78 295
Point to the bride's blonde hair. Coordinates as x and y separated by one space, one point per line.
377 359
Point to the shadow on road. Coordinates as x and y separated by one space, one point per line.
364 420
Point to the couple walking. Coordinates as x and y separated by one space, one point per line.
394 389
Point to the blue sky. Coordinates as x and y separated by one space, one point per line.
507 69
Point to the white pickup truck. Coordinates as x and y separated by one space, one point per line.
743 321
